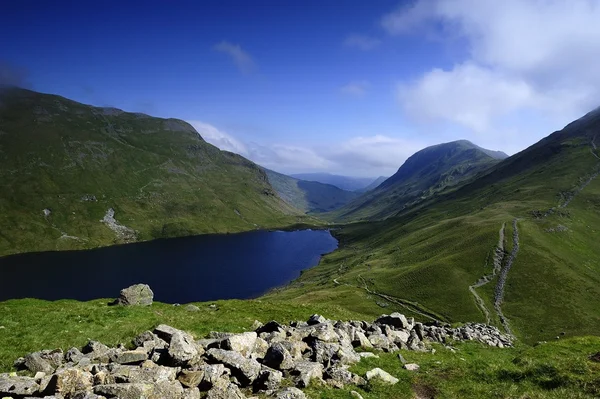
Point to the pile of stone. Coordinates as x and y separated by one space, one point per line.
170 363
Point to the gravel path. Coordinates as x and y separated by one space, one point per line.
499 290
497 264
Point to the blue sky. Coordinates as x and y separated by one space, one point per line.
349 87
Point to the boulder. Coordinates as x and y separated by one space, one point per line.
182 349
305 372
381 375
69 382
268 379
34 363
131 357
18 385
223 389
396 320
244 369
138 294
166 333
316 319
278 357
241 343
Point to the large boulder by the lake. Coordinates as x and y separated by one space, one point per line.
138 294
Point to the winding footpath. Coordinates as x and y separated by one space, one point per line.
497 266
499 290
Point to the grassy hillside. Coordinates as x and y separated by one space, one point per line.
309 196
423 175
160 177
376 183
427 258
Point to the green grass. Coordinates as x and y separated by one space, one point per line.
559 369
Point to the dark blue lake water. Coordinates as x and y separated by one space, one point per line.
179 270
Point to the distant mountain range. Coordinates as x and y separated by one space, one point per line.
424 174
347 183
309 196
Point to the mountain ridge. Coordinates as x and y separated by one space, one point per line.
66 164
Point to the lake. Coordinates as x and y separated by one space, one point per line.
179 270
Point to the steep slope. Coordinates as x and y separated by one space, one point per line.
347 183
373 185
309 196
517 246
77 176
423 175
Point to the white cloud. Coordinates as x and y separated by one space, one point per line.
373 155
468 95
356 89
359 156
362 42
219 138
525 57
241 58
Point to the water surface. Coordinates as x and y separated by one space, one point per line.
179 270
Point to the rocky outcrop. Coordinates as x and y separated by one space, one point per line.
138 294
169 363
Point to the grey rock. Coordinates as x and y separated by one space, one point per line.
268 379
192 308
167 390
397 320
411 366
191 393
244 369
166 333
224 389
316 319
182 349
291 393
278 357
191 378
271 326
125 391
241 343
382 375
17 385
131 357
138 294
73 355
305 372
69 382
356 395
34 363
96 351
343 376
360 339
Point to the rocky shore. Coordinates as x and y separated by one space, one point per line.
276 360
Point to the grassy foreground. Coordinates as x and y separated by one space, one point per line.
560 369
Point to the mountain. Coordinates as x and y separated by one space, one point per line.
309 196
76 176
373 185
423 175
515 246
347 183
